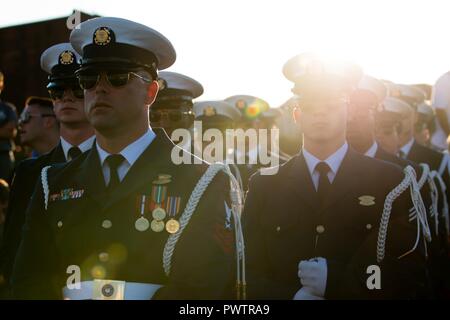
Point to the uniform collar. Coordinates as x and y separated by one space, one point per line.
334 161
131 152
371 152
84 146
407 147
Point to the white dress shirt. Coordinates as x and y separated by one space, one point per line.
407 147
84 146
372 150
131 153
334 162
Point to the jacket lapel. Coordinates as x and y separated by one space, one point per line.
91 177
57 154
344 180
299 181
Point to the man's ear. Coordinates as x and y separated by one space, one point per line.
152 92
296 113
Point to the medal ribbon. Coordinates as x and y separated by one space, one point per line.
173 205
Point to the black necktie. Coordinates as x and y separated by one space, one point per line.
74 152
114 161
324 184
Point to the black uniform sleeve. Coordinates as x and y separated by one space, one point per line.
13 225
36 266
261 284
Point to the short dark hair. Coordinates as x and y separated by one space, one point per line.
41 101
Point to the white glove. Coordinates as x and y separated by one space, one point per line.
305 294
313 275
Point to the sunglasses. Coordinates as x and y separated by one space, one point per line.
172 115
57 93
114 78
25 117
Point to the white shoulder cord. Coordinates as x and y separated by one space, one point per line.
237 175
445 209
45 188
427 176
237 204
434 213
408 181
281 155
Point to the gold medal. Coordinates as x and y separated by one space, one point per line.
164 176
141 224
159 213
157 226
172 226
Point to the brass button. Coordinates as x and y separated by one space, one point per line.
278 229
59 224
368 226
320 229
106 224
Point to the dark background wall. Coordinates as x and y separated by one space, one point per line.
20 50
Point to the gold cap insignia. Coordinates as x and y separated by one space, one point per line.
66 57
209 111
102 36
366 201
241 104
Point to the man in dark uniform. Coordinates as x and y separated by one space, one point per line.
38 127
119 217
401 111
424 126
318 239
173 106
251 109
409 148
221 116
76 137
366 101
412 150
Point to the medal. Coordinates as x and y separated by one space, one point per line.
141 224
172 226
159 213
157 226
173 207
